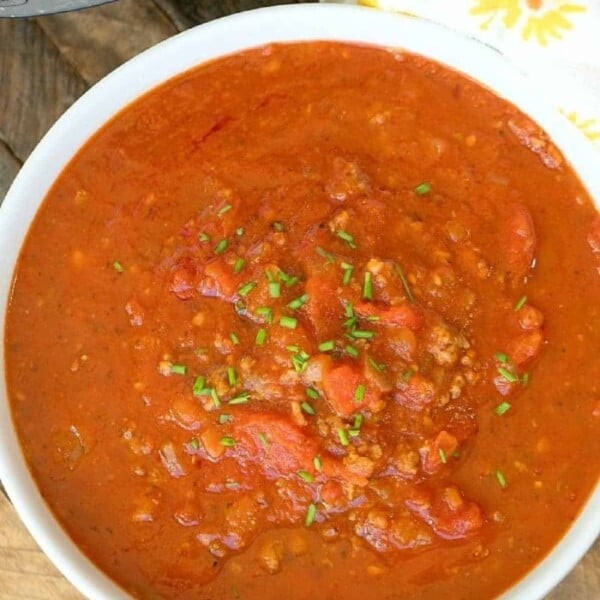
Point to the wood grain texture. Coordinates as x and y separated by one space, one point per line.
45 64
38 85
97 41
25 572
583 582
9 167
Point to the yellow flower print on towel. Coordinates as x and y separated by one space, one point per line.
589 127
540 20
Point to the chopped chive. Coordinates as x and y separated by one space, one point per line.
198 386
501 479
502 408
266 312
404 282
311 512
178 369
326 255
344 235
231 377
510 377
525 379
227 441
224 209
347 276
215 398
358 420
263 440
407 375
343 435
312 393
359 393
350 323
442 454
246 288
288 280
298 302
274 289
261 336
348 309
361 334
368 286
234 338
288 322
118 267
520 303
373 318
278 226
380 367
351 351
422 189
300 362
307 408
239 231
194 444
353 433
230 484
224 418
501 357
326 346
242 398
293 348
239 265
317 463
221 246
306 476
203 237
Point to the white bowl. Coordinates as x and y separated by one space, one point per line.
182 52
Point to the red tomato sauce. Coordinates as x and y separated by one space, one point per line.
312 321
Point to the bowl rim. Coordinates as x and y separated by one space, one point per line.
288 23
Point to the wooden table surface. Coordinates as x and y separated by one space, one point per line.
46 64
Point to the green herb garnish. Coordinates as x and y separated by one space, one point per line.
326 346
307 408
368 286
261 336
239 265
359 393
221 246
343 435
502 408
306 476
178 369
344 235
311 513
224 210
422 189
288 322
520 303
501 479
298 302
246 288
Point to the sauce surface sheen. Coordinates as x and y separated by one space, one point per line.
312 321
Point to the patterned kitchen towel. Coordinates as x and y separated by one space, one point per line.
557 42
